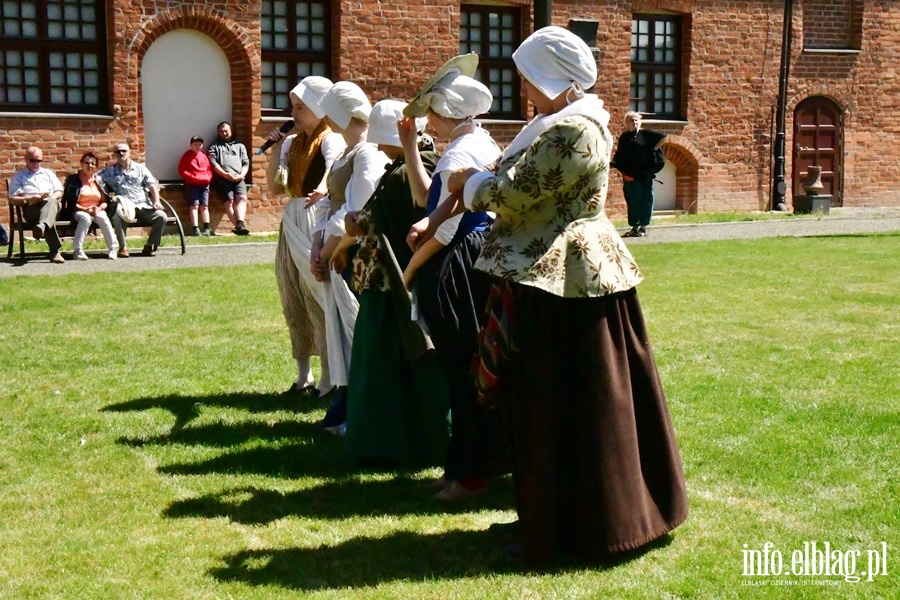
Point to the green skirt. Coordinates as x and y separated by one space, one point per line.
397 411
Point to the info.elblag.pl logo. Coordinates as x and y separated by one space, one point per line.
816 560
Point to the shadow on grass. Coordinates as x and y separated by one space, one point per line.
403 556
187 408
348 498
218 435
319 455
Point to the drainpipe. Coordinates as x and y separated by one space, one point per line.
779 186
542 10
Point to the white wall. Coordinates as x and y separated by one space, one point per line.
186 85
664 194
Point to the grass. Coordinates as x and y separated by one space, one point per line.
146 452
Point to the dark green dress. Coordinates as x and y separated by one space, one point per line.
397 410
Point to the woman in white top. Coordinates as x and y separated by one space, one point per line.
304 159
351 181
449 294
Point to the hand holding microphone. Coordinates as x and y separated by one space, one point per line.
279 133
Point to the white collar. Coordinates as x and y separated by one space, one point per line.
589 106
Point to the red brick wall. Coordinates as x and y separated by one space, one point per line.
730 69
830 23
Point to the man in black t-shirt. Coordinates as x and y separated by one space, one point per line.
634 159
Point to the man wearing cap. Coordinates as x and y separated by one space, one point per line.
133 180
38 191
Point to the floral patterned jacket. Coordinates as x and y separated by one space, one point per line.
551 230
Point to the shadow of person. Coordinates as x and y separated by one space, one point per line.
317 454
223 435
337 500
367 561
187 408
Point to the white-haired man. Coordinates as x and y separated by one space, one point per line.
38 191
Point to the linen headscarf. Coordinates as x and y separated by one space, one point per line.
345 101
383 122
310 91
457 96
554 60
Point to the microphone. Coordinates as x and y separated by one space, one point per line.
285 127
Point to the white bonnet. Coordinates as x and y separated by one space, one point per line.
458 96
554 59
345 101
451 91
383 122
310 91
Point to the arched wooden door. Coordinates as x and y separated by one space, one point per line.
818 140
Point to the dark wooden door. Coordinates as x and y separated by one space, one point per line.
818 140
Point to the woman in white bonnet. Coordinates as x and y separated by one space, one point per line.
397 398
565 352
450 295
351 181
303 158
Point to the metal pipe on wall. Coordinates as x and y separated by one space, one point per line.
779 185
542 10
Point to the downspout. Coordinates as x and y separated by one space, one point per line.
779 186
542 10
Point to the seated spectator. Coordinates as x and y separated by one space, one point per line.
86 203
196 172
132 180
230 164
38 191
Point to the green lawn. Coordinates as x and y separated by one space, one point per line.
146 452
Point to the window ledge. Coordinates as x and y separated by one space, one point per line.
831 51
41 115
501 121
663 122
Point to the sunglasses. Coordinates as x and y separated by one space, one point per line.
121 151
35 160
89 163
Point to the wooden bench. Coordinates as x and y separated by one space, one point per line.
67 228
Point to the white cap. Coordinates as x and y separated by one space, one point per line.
451 91
383 122
554 59
458 97
345 101
310 91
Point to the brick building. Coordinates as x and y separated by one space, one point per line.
84 74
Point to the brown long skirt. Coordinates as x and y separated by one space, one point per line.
595 461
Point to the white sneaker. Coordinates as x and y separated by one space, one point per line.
112 255
80 255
